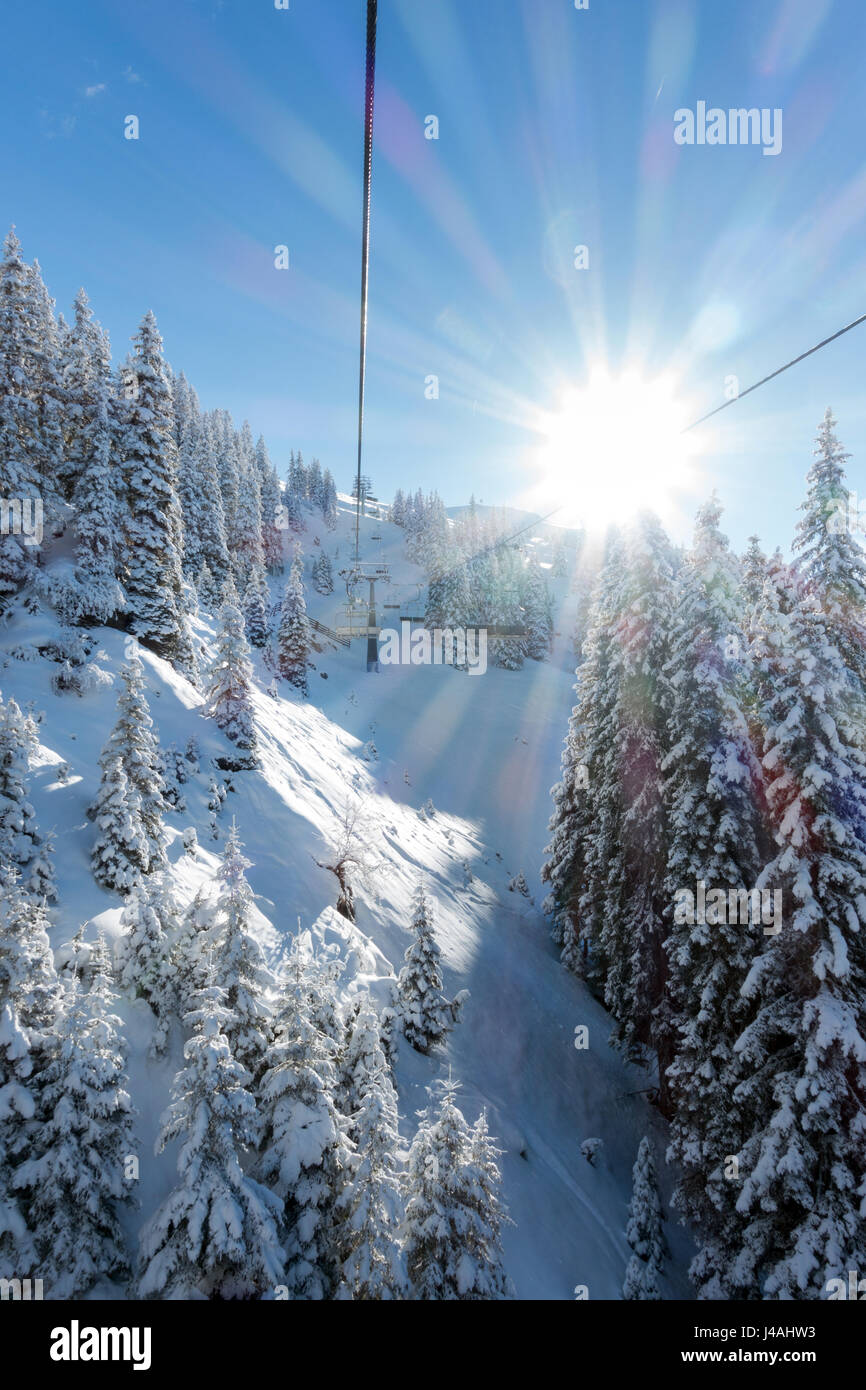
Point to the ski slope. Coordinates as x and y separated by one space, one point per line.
485 750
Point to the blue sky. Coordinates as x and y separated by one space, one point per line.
556 128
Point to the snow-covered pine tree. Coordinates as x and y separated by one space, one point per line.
20 455
633 926
29 1001
77 344
754 573
644 1230
426 1015
217 1234
239 964
537 617
294 637
248 524
803 1051
143 953
229 690
323 575
99 511
370 1209
153 540
271 499
585 825
829 557
210 521
120 853
134 742
76 1181
21 844
304 1150
713 791
47 384
256 607
453 1212
329 500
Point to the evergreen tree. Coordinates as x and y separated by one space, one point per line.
271 499
803 1051
294 638
256 607
20 455
120 853
210 521
370 1209
240 969
134 742
98 512
144 965
304 1151
217 1233
323 575
21 845
586 823
537 615
453 1215
29 1000
425 1013
644 1231
76 1180
830 558
153 543
229 690
713 794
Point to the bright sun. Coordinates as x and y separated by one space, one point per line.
615 447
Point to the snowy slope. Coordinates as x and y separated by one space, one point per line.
486 750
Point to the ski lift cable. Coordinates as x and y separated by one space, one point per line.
369 96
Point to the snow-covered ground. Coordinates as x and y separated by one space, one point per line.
486 751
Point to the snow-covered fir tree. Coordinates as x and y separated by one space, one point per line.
99 505
426 1015
29 1003
27 467
370 1209
240 968
228 699
217 1234
120 853
294 638
143 953
453 1210
22 846
256 608
133 740
803 1050
78 1179
537 614
829 556
153 539
323 575
304 1149
644 1230
712 791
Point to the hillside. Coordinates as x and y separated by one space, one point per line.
485 751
